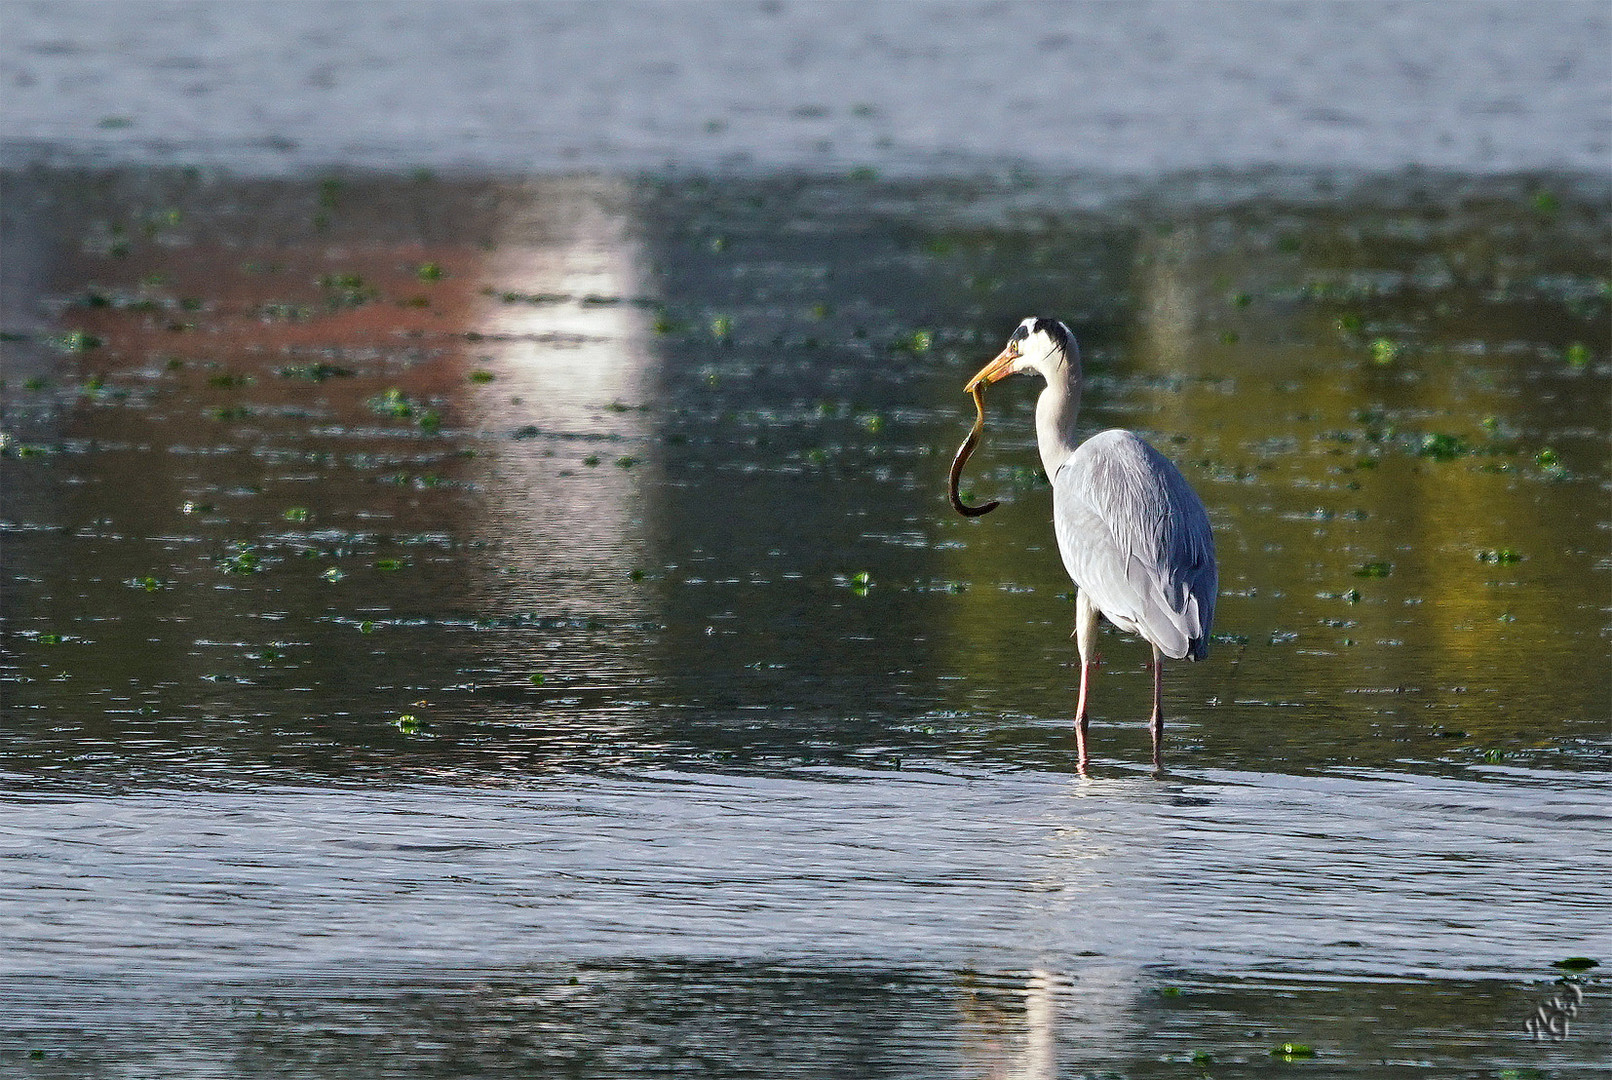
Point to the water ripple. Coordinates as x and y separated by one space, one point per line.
1431 877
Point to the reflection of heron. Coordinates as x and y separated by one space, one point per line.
1134 536
1010 1025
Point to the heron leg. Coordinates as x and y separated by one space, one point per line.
1081 723
1085 640
1155 723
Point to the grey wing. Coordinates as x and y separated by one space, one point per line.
1135 537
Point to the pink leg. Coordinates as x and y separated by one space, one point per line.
1088 669
1156 722
1086 641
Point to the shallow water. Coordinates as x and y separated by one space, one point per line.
929 924
436 637
944 86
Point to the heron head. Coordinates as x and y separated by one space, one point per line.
1043 346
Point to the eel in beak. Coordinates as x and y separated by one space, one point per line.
996 369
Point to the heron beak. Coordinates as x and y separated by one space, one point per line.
999 368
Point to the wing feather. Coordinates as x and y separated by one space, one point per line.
1135 537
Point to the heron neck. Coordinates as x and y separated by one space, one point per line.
1055 412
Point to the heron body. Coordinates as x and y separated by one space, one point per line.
1133 534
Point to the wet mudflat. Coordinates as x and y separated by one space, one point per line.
455 626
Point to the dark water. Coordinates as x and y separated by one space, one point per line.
476 626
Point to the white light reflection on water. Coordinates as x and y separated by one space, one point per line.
562 333
1391 876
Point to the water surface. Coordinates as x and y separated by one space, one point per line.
460 625
946 86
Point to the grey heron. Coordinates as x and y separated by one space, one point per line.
1133 534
